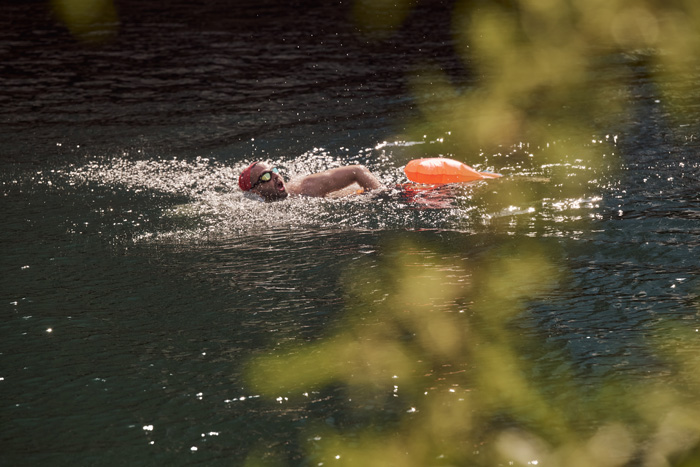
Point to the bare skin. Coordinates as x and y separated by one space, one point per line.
319 184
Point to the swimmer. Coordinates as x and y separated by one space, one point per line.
264 180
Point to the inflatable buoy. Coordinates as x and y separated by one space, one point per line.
439 170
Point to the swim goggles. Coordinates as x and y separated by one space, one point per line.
265 176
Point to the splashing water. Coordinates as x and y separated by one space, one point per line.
199 199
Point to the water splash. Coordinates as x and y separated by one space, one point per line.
198 199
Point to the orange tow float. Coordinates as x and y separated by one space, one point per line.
440 171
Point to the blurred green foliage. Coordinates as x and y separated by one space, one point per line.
88 20
428 360
539 62
431 370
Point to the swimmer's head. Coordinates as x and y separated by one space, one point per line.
264 180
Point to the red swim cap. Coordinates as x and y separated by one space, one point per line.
244 178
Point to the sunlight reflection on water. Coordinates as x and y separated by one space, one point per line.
214 206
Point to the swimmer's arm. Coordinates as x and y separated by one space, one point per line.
321 184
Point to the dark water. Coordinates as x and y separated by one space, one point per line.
137 281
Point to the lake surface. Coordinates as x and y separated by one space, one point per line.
137 280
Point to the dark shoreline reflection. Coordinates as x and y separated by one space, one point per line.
191 80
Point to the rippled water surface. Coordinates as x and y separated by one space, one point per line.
137 280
